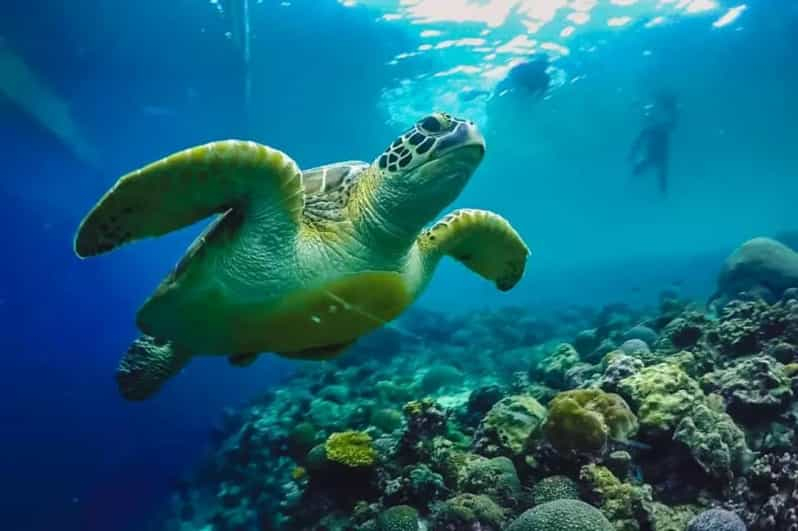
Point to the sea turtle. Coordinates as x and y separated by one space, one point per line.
299 263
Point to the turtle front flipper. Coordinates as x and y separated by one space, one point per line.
485 242
146 366
190 185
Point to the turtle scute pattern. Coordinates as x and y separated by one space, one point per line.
329 189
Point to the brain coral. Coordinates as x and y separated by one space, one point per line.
584 419
398 518
562 515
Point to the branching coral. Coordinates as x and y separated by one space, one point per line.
351 448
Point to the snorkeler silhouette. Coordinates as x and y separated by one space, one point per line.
651 148
532 77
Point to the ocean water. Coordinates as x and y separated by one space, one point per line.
90 90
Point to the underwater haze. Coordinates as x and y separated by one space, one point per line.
616 204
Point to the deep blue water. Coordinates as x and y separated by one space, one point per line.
143 79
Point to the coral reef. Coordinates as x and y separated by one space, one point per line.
468 511
555 488
562 515
509 426
717 444
627 506
582 420
553 369
758 264
351 448
495 478
753 388
662 394
666 418
398 518
716 520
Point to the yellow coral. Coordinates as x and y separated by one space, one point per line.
350 448
583 420
299 473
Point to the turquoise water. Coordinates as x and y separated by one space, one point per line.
91 90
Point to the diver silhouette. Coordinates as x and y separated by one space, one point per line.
651 148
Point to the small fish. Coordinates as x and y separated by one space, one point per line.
636 445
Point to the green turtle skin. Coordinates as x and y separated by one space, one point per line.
298 263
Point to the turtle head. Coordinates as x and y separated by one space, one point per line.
427 167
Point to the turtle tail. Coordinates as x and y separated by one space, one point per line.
146 365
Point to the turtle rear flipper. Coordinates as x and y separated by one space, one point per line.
190 185
242 360
485 242
146 365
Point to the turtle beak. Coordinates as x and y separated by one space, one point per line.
465 135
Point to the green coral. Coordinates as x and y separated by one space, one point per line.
555 488
398 518
584 419
694 363
326 414
553 368
439 377
468 511
390 392
562 515
752 387
660 413
387 420
659 379
716 443
335 393
626 505
509 425
495 478
663 394
351 448
303 437
426 484
316 460
447 460
675 518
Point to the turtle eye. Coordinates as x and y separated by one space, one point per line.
431 124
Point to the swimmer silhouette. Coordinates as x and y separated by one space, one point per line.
530 77
651 148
